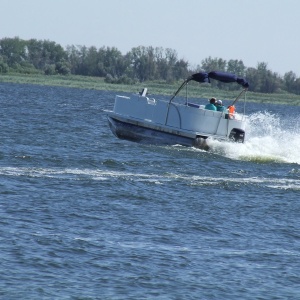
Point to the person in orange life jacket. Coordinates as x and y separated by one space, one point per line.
211 105
231 111
220 106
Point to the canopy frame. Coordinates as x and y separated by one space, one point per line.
203 77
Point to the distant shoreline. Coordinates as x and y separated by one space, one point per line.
158 88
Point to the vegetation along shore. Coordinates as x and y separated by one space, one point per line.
47 63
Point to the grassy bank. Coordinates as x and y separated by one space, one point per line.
158 88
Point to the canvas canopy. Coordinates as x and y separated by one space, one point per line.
220 76
204 77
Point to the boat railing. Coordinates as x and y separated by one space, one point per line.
178 112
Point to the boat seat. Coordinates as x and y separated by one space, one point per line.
193 105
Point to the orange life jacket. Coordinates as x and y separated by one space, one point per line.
231 110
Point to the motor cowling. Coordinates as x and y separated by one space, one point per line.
237 135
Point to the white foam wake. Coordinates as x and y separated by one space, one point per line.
268 138
123 176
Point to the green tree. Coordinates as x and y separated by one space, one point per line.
215 64
142 69
263 80
290 79
113 62
12 51
269 81
236 67
181 69
50 70
4 68
297 86
166 60
63 67
82 66
34 53
91 61
52 53
252 76
291 83
74 59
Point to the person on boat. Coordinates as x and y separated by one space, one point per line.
220 106
231 111
211 105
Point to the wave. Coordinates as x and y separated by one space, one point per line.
123 176
268 139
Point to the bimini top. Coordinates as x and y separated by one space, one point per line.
220 76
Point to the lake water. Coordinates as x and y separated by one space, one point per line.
84 215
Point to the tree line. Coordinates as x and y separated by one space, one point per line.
138 65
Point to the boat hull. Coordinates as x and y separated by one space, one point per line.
146 135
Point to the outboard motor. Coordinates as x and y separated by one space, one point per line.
237 135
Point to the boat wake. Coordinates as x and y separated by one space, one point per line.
268 139
124 177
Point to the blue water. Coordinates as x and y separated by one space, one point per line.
84 215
